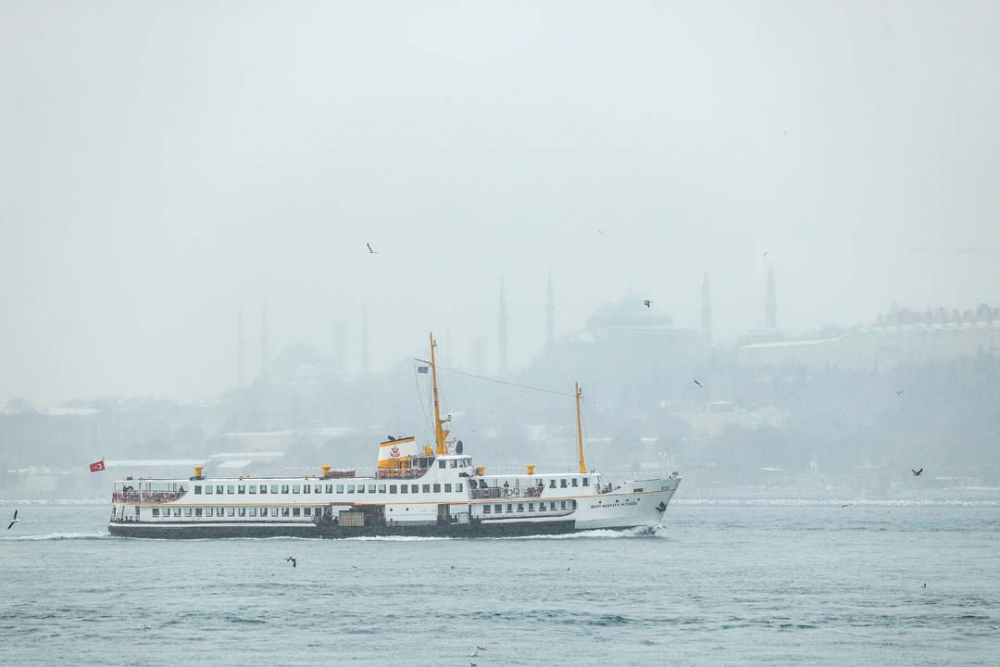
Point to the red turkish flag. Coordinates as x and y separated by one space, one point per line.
97 467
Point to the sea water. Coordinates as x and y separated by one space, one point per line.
778 583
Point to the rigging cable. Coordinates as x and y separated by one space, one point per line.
511 384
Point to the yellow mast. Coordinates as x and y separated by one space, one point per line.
579 429
440 433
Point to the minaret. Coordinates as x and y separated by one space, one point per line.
239 349
550 314
502 332
364 339
771 309
706 310
338 346
265 358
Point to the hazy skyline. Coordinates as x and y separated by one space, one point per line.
165 165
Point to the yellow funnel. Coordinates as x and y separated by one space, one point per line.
326 471
531 470
197 471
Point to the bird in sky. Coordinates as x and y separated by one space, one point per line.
370 251
646 303
847 505
764 255
916 473
480 648
698 383
899 392
601 232
292 560
13 521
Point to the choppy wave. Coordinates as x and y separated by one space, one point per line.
56 536
823 502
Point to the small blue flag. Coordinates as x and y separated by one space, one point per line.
421 369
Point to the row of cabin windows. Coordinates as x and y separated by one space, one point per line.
242 489
454 463
239 511
499 507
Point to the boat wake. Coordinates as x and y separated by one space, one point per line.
56 536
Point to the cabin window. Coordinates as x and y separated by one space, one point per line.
392 488
381 488
498 509
329 488
437 488
562 483
552 483
274 511
350 488
218 489
586 481
361 488
572 504
414 487
442 464
520 507
230 511
263 488
177 511
447 488
187 511
317 511
295 511
209 490
487 509
284 488
295 488
306 488
552 506
263 511
454 464
563 505
458 487
243 511
575 480
531 507
427 488
241 489
510 508
274 488
307 511
197 511
253 488
403 488
197 490
230 489
340 488
253 511
156 512
371 488
285 511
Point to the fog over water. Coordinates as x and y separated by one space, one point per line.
164 164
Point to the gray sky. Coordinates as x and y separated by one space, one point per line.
163 163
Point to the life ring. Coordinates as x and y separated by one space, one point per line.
486 493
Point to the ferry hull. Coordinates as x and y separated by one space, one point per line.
195 532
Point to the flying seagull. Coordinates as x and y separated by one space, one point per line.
292 560
916 473
847 505
764 255
600 232
13 521
480 648
370 251
698 383
899 392
646 303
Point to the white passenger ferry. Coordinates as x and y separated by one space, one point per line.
420 492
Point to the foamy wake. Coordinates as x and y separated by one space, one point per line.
55 536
